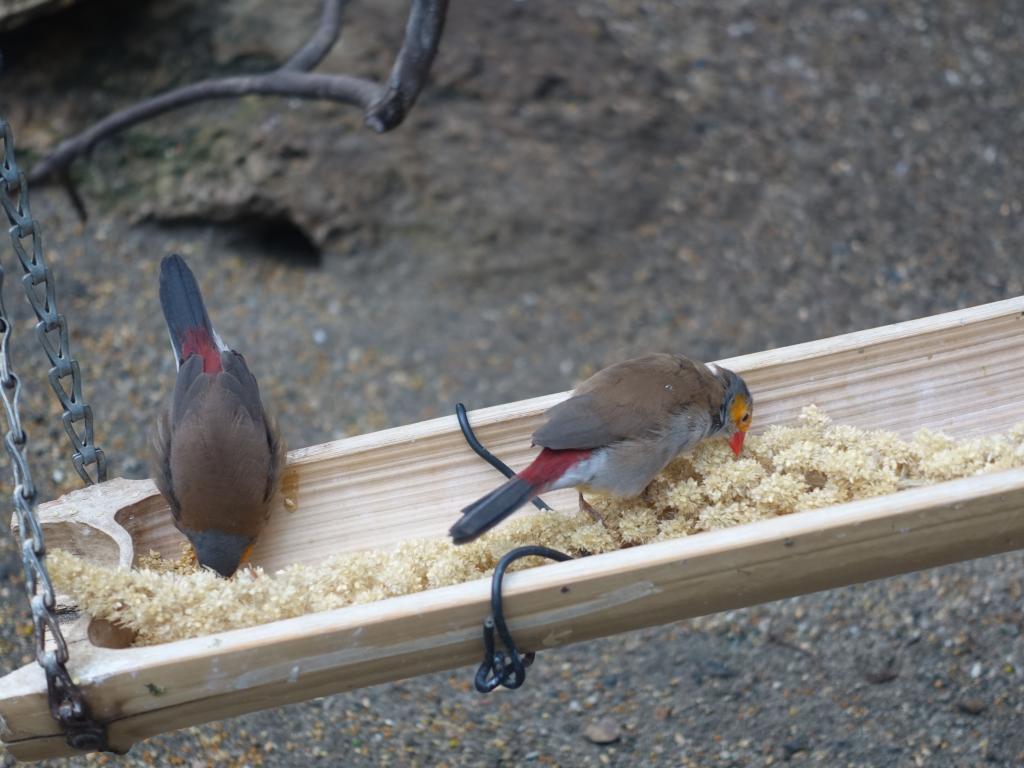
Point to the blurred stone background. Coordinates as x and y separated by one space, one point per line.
581 181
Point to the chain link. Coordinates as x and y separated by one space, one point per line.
52 329
67 704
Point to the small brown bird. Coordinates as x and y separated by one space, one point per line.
219 456
618 430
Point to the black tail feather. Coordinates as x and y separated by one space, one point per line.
483 514
181 301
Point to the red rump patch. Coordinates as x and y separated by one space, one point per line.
551 465
196 341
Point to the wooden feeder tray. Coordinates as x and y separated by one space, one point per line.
961 373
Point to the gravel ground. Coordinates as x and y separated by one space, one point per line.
599 179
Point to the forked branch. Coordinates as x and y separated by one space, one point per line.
384 105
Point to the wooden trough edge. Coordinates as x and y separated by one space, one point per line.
144 691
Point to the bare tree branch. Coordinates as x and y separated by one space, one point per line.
384 107
409 74
308 85
320 44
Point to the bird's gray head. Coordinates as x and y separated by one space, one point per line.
223 552
737 409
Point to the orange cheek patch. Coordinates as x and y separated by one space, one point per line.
738 408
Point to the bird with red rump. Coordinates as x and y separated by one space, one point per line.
618 430
218 452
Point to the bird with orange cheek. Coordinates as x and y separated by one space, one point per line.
218 452
619 429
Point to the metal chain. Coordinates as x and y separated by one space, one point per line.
52 329
67 704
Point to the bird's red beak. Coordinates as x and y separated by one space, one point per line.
736 442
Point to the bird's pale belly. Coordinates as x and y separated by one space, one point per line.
626 468
621 471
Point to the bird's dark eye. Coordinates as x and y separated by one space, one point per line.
746 418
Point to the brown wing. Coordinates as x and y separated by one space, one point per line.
629 400
190 380
161 446
248 393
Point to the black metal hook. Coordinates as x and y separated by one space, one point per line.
483 453
502 667
507 667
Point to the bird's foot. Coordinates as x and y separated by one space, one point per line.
596 516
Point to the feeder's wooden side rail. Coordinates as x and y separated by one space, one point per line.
963 372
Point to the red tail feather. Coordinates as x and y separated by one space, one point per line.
485 513
551 465
196 341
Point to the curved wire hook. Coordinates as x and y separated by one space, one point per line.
483 453
508 667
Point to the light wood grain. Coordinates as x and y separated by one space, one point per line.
962 372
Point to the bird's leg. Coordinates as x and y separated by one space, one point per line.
594 514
